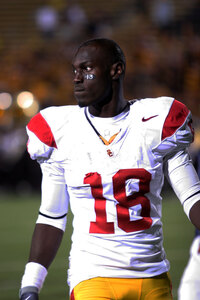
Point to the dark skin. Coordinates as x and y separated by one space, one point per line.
45 243
104 97
104 93
195 214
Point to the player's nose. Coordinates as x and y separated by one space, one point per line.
78 77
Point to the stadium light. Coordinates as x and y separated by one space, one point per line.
5 101
25 99
32 109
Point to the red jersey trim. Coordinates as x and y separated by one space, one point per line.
42 130
72 297
176 118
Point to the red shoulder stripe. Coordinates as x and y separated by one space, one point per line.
42 130
176 117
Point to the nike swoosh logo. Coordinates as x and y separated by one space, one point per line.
147 119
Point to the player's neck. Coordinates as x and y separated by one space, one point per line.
108 109
113 105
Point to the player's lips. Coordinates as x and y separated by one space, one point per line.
78 89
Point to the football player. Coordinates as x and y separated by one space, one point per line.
190 282
106 157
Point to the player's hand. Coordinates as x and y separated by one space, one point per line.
29 296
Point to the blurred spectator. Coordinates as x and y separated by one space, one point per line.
162 12
47 20
73 22
75 14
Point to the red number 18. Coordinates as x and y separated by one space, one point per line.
124 202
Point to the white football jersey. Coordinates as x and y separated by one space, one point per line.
113 190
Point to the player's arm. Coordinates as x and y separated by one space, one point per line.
195 214
48 231
185 182
177 135
45 243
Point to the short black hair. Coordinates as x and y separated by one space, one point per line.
115 51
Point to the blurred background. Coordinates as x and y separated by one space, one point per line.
161 41
160 38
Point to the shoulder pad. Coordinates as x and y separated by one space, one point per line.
177 132
42 130
177 116
41 140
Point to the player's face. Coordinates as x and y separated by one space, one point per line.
92 80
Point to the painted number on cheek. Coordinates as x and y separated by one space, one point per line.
124 202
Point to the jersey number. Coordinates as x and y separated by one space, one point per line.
124 202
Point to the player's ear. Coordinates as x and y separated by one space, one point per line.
117 69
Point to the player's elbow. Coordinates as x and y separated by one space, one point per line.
195 214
